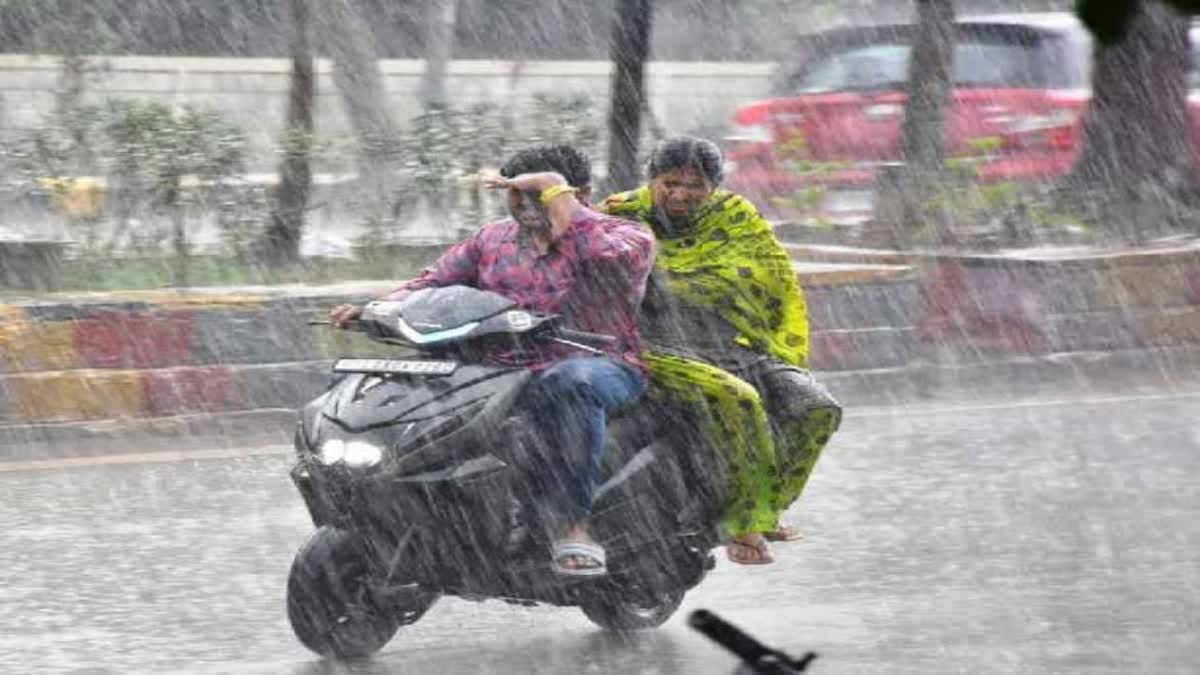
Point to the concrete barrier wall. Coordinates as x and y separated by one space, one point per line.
164 355
1040 305
1045 301
253 92
878 329
153 353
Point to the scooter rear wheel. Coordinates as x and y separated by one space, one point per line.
329 601
622 613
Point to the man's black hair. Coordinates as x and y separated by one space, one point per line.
687 152
574 166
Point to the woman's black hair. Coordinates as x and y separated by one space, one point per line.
687 152
574 166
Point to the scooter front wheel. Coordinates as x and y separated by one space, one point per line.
329 600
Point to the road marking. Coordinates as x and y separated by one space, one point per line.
932 408
142 458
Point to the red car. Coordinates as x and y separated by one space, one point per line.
1020 89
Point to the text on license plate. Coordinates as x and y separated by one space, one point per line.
394 366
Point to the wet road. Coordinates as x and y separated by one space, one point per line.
1041 537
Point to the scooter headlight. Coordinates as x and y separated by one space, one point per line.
332 451
358 454
362 454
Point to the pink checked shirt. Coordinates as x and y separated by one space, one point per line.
594 275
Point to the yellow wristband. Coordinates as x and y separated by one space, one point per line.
554 191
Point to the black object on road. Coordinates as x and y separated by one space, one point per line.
756 657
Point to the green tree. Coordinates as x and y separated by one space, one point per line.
1109 19
153 148
1137 161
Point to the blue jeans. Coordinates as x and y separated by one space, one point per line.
570 403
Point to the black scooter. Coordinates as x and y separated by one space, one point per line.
419 471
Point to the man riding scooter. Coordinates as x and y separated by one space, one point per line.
556 255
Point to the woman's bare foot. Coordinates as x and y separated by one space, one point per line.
784 532
750 549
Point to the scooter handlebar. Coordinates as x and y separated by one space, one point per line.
353 324
585 337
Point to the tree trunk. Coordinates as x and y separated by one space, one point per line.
74 20
630 49
439 48
351 45
179 243
929 87
169 199
906 195
1137 136
286 225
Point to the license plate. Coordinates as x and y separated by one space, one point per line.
394 366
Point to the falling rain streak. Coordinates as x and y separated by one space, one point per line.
990 207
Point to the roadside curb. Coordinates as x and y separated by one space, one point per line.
1017 377
231 429
817 274
1121 372
100 394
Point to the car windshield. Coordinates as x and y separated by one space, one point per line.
884 66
